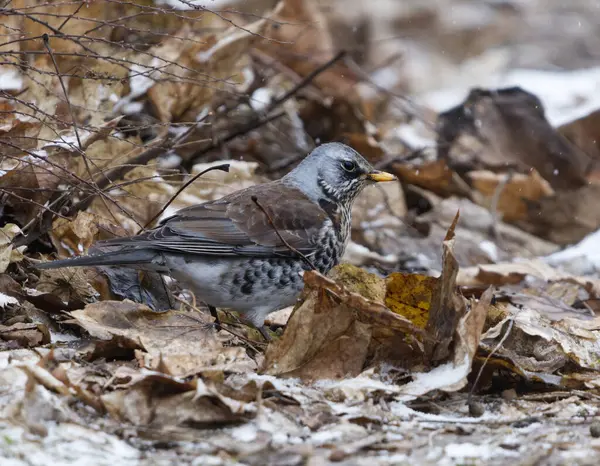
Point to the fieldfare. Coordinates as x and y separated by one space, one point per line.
242 251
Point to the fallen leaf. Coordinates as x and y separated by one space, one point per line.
182 343
512 194
8 253
164 402
565 218
329 333
560 352
435 176
410 295
515 272
452 376
447 305
27 335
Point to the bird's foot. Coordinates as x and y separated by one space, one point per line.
215 314
265 333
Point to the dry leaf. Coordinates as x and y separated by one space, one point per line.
8 253
181 343
452 376
329 333
163 402
515 272
514 193
27 335
447 305
435 176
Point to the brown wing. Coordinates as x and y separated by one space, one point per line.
235 225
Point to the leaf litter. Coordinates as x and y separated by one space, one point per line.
461 329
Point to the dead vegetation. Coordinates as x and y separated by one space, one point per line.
458 331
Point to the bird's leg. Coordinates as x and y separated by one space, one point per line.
265 334
213 312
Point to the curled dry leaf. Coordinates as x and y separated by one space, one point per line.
565 218
563 352
70 284
26 335
163 403
75 236
342 326
515 272
435 176
512 191
447 306
180 343
452 375
8 253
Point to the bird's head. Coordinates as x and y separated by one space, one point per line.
335 172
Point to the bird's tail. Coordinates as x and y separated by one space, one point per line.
131 258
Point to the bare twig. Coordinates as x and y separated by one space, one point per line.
496 348
281 238
224 167
258 121
497 216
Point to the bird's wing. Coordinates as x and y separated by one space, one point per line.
236 225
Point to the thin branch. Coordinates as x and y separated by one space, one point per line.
224 167
258 122
500 343
281 238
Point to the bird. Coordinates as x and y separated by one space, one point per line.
247 251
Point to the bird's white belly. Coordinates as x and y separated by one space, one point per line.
214 282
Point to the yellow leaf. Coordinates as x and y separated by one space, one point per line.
410 295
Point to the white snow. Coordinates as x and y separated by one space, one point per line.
10 79
5 299
581 258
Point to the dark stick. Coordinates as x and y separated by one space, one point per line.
287 245
46 40
307 80
275 103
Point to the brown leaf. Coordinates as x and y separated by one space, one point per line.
584 134
163 402
181 342
435 176
27 335
540 346
513 194
515 272
75 235
452 375
565 218
8 253
447 306
70 284
329 333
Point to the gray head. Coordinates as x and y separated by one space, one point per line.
335 172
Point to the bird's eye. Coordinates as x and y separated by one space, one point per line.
348 165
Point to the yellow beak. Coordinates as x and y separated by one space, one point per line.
378 176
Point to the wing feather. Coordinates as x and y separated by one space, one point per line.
236 226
